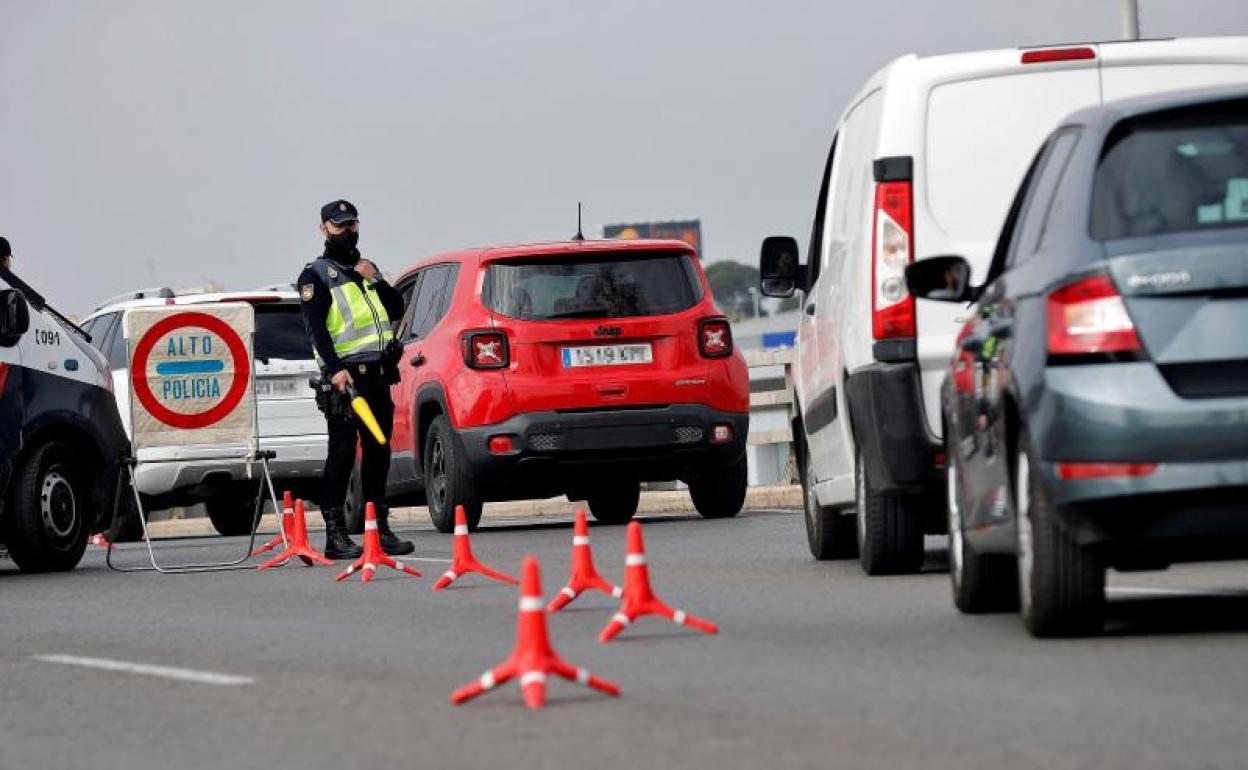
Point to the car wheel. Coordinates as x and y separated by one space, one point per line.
830 532
232 513
353 505
1061 584
614 502
890 532
981 583
448 480
44 529
720 493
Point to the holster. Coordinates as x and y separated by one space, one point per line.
331 401
390 362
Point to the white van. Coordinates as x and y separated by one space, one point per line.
290 424
61 438
925 161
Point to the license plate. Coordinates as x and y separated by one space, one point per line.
280 387
607 355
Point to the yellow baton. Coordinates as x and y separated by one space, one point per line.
365 413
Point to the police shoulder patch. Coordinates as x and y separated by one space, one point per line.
306 292
331 272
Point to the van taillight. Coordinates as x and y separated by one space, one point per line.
1058 54
1088 317
714 337
486 350
892 247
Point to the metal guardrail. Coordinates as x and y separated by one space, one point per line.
771 403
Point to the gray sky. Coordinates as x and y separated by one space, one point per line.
161 142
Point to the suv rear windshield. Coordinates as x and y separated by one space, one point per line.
280 332
1173 174
618 285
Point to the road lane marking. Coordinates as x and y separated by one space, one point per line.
143 669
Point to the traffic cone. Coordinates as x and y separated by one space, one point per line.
100 540
584 575
533 659
640 600
283 535
297 542
373 556
462 560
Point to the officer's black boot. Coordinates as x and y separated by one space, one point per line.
390 542
338 544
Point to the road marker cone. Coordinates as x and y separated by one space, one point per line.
297 542
640 600
100 540
533 659
283 535
373 556
584 575
462 560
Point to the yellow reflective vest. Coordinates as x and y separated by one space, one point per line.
357 321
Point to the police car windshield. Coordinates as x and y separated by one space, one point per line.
280 333
621 285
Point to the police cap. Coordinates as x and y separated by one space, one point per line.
339 212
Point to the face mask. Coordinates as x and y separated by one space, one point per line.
341 247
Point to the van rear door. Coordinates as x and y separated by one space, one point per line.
982 131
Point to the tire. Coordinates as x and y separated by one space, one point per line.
890 530
614 502
232 513
353 505
830 533
982 583
448 479
720 494
1061 584
44 527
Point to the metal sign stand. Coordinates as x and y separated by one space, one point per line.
266 482
253 454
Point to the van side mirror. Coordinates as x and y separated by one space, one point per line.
943 279
779 267
14 317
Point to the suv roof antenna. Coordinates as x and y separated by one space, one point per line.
579 235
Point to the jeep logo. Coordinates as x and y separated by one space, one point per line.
608 331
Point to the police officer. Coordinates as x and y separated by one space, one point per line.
347 308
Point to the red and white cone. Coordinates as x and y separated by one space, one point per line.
585 576
297 544
533 658
462 560
100 540
373 556
282 538
640 600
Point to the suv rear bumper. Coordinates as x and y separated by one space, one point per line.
890 428
670 440
179 470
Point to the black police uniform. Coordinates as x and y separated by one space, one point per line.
371 377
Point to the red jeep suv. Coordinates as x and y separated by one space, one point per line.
579 368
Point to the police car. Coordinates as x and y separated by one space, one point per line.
289 422
61 437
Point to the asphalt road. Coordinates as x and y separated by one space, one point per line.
816 666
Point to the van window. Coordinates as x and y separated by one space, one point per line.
621 285
982 133
814 256
1173 173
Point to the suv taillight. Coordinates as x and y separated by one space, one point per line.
892 248
714 337
486 350
1088 317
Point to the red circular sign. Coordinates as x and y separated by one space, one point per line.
143 391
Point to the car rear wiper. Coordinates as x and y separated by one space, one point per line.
37 301
597 312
